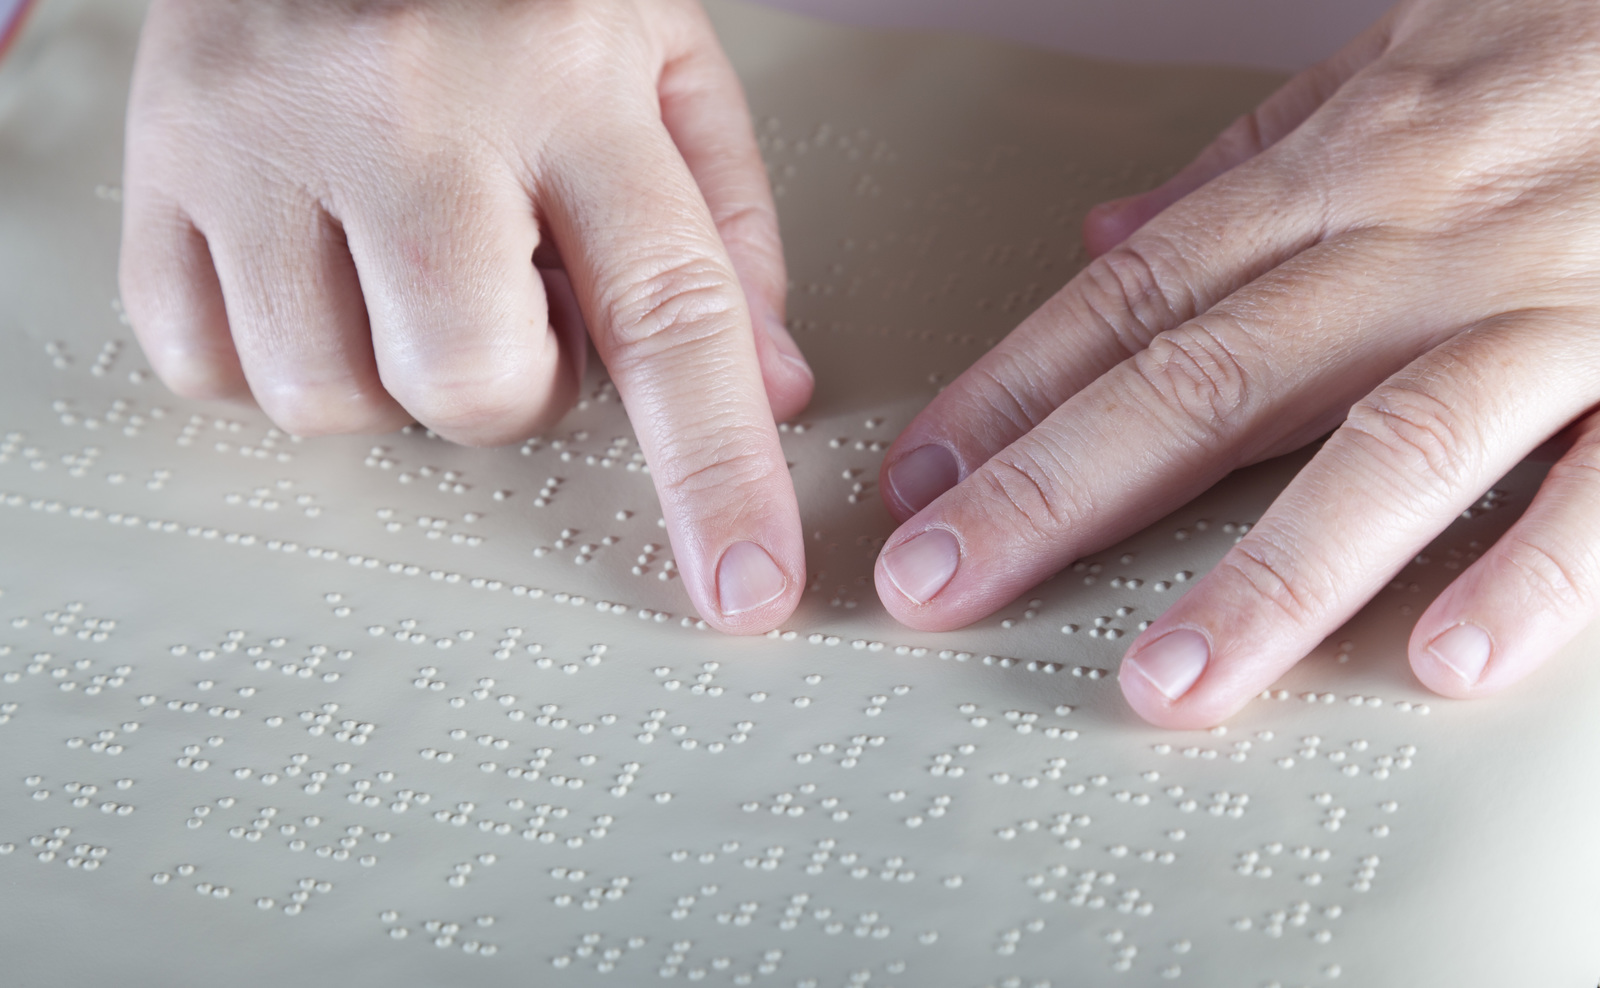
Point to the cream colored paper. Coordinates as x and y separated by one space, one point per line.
392 712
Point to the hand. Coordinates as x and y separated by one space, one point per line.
337 207
1401 246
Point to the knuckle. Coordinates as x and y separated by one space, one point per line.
175 349
1391 118
1276 577
1034 503
1554 575
731 465
1412 434
298 409
1391 101
475 408
1200 373
192 375
479 414
306 409
1007 395
667 306
1135 293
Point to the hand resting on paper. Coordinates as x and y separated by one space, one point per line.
357 214
360 213
1401 246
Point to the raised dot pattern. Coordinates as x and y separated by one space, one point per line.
451 709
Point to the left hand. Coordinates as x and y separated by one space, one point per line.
1403 246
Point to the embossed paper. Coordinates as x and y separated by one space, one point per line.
386 711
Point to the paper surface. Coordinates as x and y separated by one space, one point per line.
393 712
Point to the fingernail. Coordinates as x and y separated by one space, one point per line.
1173 662
920 568
1465 648
747 578
1105 210
798 363
922 475
788 349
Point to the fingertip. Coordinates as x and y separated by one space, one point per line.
1146 699
785 373
914 480
1452 657
754 592
1486 631
789 384
1110 223
734 524
169 290
308 410
911 573
200 375
1161 678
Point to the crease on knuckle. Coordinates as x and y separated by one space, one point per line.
736 460
668 307
1200 373
1023 487
997 396
1557 580
1414 435
1134 295
1255 563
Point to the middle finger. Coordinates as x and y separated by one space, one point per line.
1264 371
1198 252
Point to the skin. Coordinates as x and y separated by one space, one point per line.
1402 247
361 212
357 213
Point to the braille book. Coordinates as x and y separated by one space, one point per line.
381 712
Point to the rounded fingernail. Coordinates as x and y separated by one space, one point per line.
787 348
1173 662
922 475
920 567
747 578
796 361
1109 208
1465 648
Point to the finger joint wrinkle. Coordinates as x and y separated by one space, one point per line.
1030 498
1252 565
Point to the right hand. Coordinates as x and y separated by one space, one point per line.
338 208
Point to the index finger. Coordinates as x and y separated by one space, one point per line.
669 319
1201 251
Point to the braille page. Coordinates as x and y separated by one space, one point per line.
387 711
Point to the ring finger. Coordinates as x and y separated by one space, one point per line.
298 321
1529 594
1410 457
1257 374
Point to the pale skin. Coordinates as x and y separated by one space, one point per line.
1401 247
